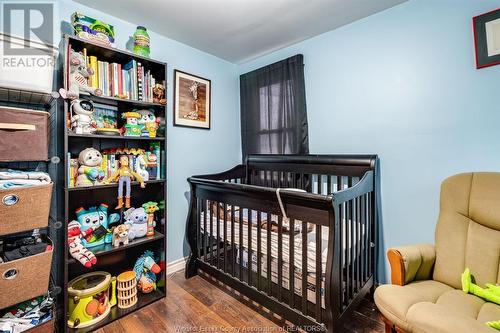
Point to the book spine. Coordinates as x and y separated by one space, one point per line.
120 79
139 82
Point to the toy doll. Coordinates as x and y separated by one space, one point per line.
149 123
90 171
78 75
124 175
151 207
81 120
76 248
132 127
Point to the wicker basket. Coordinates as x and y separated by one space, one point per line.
127 289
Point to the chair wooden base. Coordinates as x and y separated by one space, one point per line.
390 327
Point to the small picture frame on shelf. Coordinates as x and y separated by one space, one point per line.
105 118
487 38
192 98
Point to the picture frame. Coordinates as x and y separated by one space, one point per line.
487 38
192 100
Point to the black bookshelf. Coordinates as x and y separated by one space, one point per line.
113 259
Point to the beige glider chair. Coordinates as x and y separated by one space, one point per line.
425 294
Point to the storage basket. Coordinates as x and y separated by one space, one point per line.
25 278
127 289
24 134
27 72
24 208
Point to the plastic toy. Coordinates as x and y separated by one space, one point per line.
137 219
159 94
81 116
124 175
126 289
78 75
141 42
91 29
132 127
94 223
76 248
120 234
151 207
149 123
491 293
90 171
90 298
151 164
145 269
141 166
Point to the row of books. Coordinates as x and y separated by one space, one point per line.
131 81
110 165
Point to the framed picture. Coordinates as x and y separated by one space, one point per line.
192 95
487 38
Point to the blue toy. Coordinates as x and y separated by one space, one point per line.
145 269
94 223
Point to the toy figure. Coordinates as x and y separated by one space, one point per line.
149 123
145 269
78 75
151 164
159 94
132 127
491 293
76 248
90 171
81 120
137 219
94 223
151 207
120 234
140 166
124 175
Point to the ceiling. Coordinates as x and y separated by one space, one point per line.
240 30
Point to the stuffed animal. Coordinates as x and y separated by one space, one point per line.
138 221
94 223
90 171
78 75
76 248
159 94
151 207
140 167
81 121
145 269
132 127
120 234
149 123
491 293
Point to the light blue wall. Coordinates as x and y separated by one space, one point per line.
190 151
403 84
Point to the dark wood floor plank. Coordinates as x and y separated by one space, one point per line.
200 304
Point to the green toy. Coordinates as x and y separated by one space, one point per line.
132 127
491 293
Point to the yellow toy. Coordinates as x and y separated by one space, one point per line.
89 298
124 175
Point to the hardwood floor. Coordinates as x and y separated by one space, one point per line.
197 305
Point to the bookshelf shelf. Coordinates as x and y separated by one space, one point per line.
114 137
114 259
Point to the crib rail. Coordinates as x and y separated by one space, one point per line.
239 234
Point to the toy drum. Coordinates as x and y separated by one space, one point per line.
90 298
127 289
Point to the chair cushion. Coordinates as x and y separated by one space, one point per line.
394 301
426 317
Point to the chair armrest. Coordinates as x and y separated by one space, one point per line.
411 263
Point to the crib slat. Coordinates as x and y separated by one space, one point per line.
224 215
259 253
268 247
358 243
291 274
280 257
319 257
205 230
343 255
217 220
198 226
363 233
250 261
329 184
210 235
304 268
320 184
233 249
301 182
240 222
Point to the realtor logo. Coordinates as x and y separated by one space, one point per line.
33 23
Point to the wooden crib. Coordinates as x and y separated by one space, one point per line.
308 256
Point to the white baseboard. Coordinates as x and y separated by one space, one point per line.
176 265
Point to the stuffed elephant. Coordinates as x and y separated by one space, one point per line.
78 75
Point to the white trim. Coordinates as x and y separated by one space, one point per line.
176 265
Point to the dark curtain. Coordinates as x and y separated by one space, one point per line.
273 109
